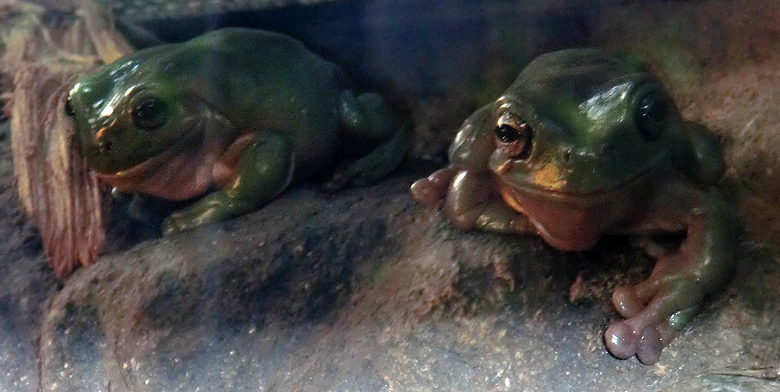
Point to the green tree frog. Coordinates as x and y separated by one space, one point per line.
587 143
242 111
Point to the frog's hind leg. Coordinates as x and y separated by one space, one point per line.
263 171
368 118
660 306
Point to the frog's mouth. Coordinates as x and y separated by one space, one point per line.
181 171
635 186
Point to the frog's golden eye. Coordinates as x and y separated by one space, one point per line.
651 115
514 136
69 108
149 114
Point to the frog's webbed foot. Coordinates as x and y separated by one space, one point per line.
654 310
264 170
429 190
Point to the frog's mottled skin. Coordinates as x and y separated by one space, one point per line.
587 143
244 110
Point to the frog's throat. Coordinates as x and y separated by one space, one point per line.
570 221
182 171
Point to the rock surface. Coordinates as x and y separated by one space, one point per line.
364 290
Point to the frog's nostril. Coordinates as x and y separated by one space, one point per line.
105 146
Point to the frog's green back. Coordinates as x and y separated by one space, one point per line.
261 80
248 74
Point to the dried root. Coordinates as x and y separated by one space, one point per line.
39 63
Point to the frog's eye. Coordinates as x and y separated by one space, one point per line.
69 108
651 115
149 114
514 136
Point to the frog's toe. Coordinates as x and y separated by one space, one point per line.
630 301
652 318
621 340
425 192
627 302
649 347
428 191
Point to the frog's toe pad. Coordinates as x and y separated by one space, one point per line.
425 192
650 345
627 302
623 343
620 340
428 191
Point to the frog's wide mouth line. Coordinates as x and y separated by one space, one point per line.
156 161
584 199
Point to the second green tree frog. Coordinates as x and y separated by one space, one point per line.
587 143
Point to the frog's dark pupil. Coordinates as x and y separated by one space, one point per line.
652 114
507 134
69 109
515 139
149 114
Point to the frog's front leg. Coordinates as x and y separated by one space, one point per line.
262 172
658 307
473 202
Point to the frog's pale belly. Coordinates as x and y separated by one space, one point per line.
575 222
